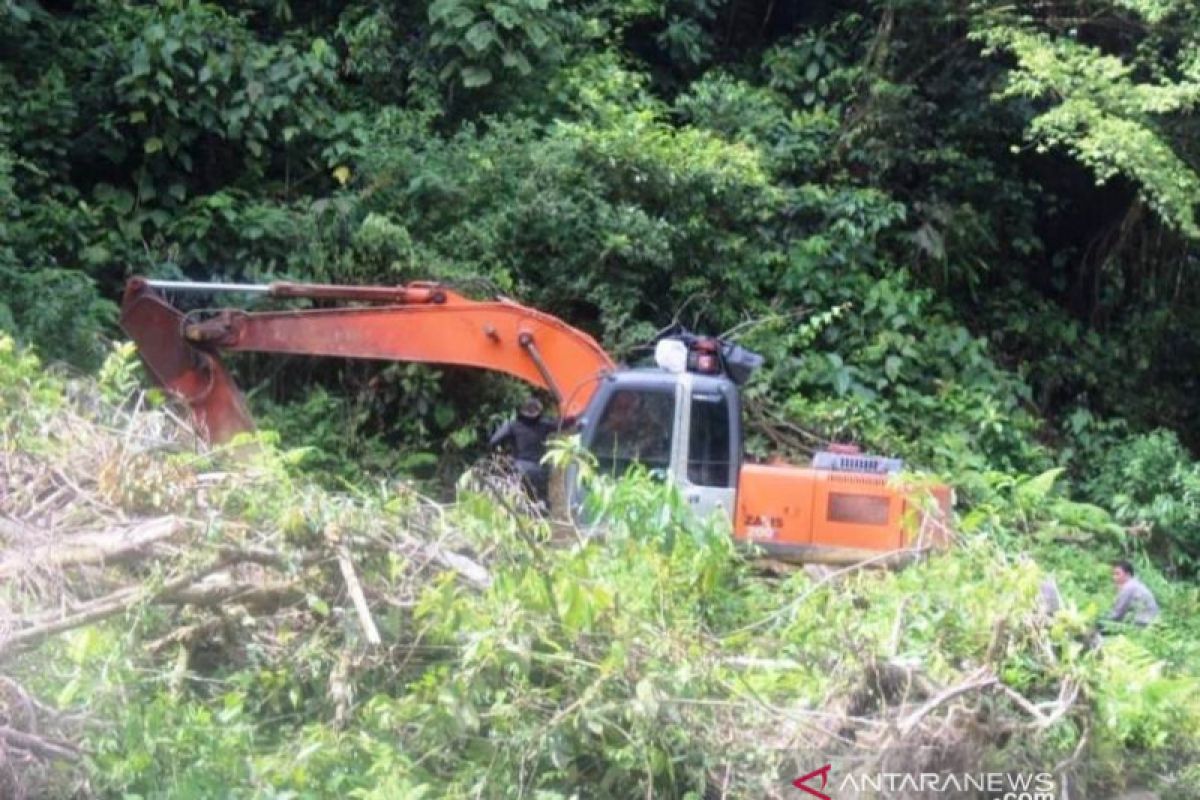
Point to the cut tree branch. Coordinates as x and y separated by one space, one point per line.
89 548
906 725
115 603
39 746
355 590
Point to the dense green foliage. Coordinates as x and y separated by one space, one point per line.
960 232
1000 202
655 661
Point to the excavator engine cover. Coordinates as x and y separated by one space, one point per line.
837 516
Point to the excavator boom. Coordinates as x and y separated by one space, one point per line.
420 322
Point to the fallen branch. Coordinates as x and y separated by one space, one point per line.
71 608
1067 694
474 573
187 634
39 746
88 548
17 706
341 689
433 552
353 587
1070 761
908 723
111 605
259 598
266 557
750 662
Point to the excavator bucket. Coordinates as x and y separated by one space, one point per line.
187 371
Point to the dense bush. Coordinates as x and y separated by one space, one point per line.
623 164
961 233
652 660
1153 485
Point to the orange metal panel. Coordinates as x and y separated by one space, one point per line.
817 515
774 505
859 511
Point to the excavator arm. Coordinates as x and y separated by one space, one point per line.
420 322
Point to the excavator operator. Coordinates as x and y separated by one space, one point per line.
636 428
525 436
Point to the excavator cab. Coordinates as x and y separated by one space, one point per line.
680 420
681 427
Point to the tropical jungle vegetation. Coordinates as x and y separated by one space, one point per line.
963 232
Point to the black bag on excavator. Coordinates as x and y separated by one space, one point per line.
740 363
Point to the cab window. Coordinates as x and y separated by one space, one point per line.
635 428
709 452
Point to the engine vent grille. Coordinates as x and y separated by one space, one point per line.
848 462
863 480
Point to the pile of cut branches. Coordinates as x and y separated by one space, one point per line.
177 621
108 508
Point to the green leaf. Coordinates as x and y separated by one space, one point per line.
1038 487
440 9
576 614
474 77
481 36
153 144
68 693
317 605
516 61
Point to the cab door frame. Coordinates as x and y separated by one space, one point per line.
708 499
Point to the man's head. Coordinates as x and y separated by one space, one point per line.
623 407
531 408
1122 571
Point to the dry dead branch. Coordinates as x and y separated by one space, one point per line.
980 680
38 746
100 547
353 586
97 524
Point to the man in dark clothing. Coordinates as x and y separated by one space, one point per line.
526 436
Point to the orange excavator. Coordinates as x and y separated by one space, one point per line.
681 419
